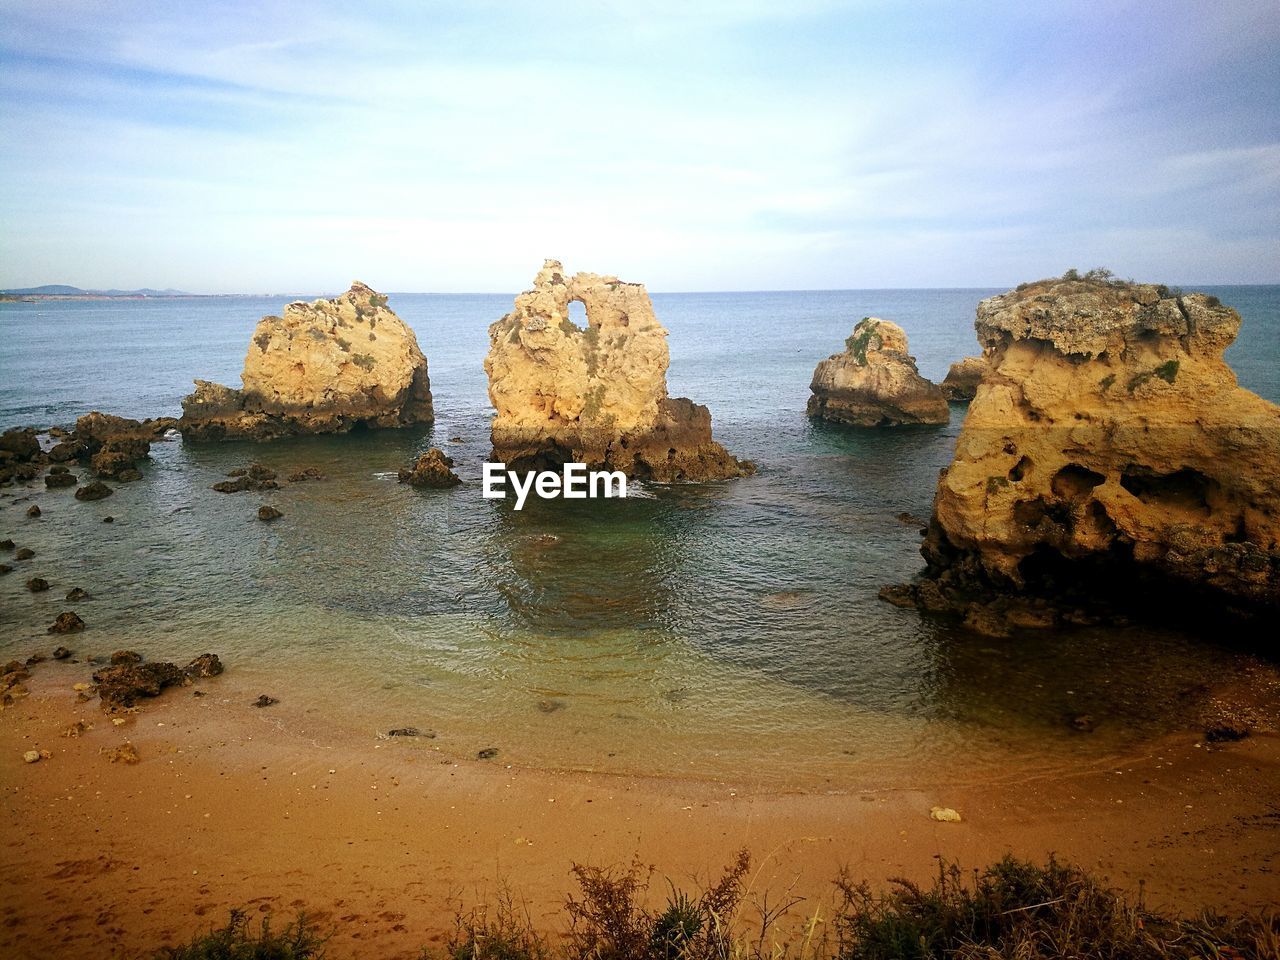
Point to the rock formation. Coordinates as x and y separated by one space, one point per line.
324 367
875 383
1109 448
430 470
596 395
961 381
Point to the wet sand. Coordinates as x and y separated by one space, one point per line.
276 810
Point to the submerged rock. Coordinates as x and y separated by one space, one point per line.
875 383
23 553
1109 453
95 490
961 381
324 367
54 481
34 511
595 395
267 513
431 469
37 584
66 622
76 594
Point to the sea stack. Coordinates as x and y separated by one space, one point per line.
1109 448
324 367
874 382
961 382
596 394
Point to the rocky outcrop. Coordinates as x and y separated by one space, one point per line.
594 395
430 470
875 383
324 367
1109 451
961 381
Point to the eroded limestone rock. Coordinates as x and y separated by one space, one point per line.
961 381
594 395
431 469
874 382
1109 445
324 367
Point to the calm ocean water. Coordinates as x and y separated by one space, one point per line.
706 630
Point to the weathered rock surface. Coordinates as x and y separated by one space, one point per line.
124 684
267 513
961 381
596 395
95 490
324 367
874 382
66 622
430 470
1109 449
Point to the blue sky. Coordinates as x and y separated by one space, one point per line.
749 145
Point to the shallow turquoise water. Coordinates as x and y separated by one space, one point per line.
711 630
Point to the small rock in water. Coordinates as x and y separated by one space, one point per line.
35 658
267 513
944 815
33 510
67 622
125 753
205 665
37 584
24 553
1082 722
265 701
61 653
96 490
910 519
488 753
1226 733
5 568
108 519
121 657
55 481
430 470
310 473
75 594
31 756
6 544
551 706
404 732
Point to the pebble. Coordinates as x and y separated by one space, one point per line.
31 756
944 815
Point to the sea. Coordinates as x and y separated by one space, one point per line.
721 631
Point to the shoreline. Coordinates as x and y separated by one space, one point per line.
232 806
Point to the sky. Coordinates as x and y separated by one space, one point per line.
723 145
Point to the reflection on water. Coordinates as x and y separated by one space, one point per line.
726 629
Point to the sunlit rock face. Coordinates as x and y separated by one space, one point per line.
594 395
324 367
1109 436
874 382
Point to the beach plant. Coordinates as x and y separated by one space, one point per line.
859 341
238 941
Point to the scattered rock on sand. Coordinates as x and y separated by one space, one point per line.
95 490
430 470
488 753
125 684
265 701
67 622
31 756
77 729
205 665
267 513
1226 733
126 753
404 732
61 653
944 815
37 584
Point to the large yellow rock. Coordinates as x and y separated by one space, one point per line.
1109 434
596 395
323 367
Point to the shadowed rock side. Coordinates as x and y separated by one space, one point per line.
875 383
1109 449
596 395
324 367
961 381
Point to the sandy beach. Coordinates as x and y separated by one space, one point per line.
384 839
